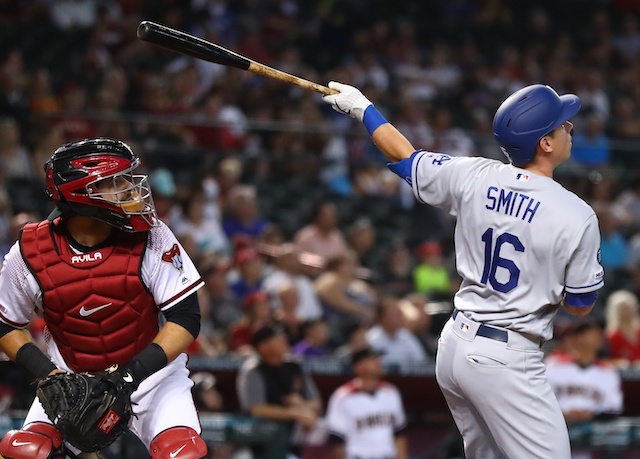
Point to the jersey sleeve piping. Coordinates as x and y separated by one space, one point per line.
176 298
586 288
12 323
414 174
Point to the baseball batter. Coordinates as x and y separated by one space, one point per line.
114 286
524 247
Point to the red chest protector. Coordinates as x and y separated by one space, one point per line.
96 307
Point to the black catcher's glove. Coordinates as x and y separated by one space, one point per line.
90 410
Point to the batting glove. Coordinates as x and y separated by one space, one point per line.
349 100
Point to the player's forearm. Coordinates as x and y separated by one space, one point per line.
401 447
19 347
13 341
393 144
173 339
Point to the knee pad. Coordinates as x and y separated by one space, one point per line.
178 443
36 440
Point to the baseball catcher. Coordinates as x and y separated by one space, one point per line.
117 293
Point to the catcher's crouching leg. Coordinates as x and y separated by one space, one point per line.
36 440
178 443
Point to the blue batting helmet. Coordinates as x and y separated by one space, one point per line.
526 116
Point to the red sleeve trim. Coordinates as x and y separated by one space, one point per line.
184 292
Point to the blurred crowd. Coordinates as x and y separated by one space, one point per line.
224 147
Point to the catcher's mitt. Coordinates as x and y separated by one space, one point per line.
89 410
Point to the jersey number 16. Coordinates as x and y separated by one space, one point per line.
493 260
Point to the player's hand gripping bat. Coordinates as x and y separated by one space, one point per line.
185 43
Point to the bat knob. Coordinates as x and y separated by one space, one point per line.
144 30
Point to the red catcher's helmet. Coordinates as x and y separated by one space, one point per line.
93 177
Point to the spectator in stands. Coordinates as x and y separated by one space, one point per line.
390 336
356 338
249 275
272 386
15 160
613 245
206 231
257 314
243 218
591 145
315 336
587 388
430 276
365 416
361 237
628 203
288 272
164 193
321 236
344 297
225 308
623 328
397 269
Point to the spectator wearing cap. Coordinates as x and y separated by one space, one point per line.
391 336
430 276
257 314
249 274
270 385
365 416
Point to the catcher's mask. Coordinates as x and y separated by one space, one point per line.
93 177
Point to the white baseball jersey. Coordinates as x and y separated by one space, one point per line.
522 240
169 281
367 422
596 388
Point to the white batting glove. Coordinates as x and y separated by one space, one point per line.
349 100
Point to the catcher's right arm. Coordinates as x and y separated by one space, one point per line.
90 410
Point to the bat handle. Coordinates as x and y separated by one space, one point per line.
265 70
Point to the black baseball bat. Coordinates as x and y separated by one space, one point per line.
188 44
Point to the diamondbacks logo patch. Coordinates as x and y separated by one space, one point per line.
173 257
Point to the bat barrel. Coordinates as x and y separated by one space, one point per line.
181 42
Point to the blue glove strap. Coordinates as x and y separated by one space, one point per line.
372 119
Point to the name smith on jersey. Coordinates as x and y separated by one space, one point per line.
512 203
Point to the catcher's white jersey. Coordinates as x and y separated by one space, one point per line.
521 239
596 388
167 271
367 422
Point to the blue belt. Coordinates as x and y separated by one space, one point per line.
487 331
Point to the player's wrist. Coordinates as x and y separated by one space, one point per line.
151 359
33 359
373 119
